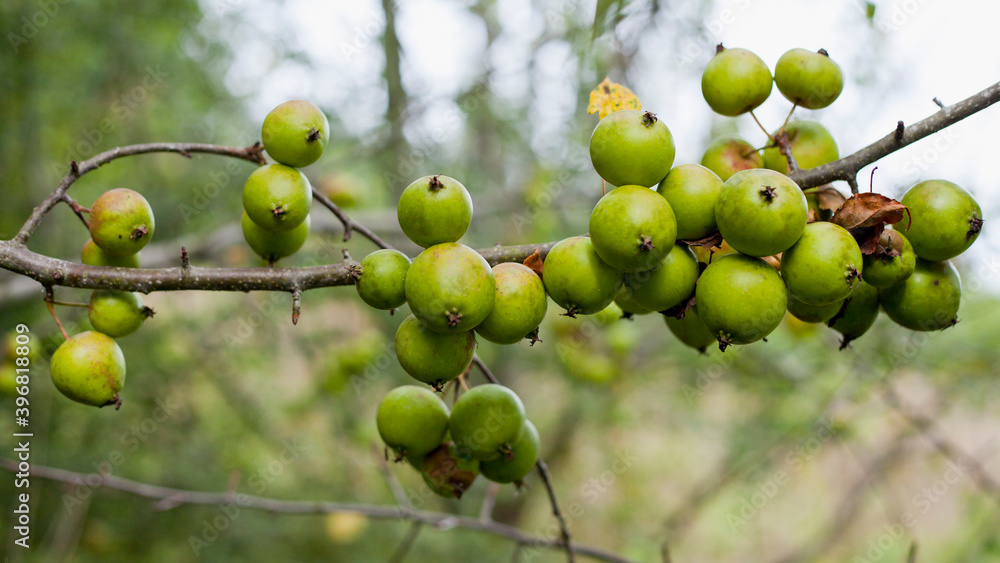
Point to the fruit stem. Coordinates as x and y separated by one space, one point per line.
769 136
52 311
789 116
69 304
719 48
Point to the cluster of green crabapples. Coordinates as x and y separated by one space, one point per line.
454 296
89 367
643 251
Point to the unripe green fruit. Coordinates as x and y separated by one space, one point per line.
412 420
577 279
692 190
608 315
735 81
760 212
632 228
272 246
728 155
515 468
121 222
824 266
434 209
892 262
431 357
295 133
450 287
690 330
277 197
669 284
811 80
89 368
487 421
92 255
927 300
812 313
447 472
857 315
632 147
382 282
946 220
741 299
117 313
519 306
8 380
627 305
812 146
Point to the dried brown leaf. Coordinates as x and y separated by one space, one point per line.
829 198
865 216
534 262
869 210
712 240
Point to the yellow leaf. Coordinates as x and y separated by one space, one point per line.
610 97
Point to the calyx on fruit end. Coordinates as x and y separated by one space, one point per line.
769 194
975 225
435 184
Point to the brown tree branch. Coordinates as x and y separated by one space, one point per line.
847 168
177 497
52 272
350 225
253 153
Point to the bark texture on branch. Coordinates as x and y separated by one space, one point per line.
51 272
847 168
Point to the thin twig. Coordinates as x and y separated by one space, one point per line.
390 478
77 209
489 502
385 512
847 168
486 371
543 470
253 153
350 225
296 305
927 428
407 543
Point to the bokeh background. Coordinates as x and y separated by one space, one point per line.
780 451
